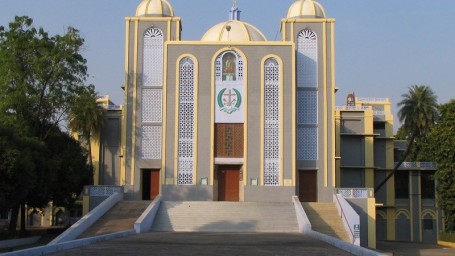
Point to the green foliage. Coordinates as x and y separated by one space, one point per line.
18 155
442 147
68 161
86 116
418 113
39 74
447 237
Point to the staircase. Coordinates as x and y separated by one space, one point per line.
226 217
120 218
325 219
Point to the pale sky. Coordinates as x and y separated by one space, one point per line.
382 47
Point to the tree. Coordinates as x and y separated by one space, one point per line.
18 157
418 114
68 160
442 148
86 116
40 75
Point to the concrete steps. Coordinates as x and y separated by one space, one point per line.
120 218
251 217
325 219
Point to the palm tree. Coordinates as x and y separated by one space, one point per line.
418 114
86 117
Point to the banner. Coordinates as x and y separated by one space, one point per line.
229 102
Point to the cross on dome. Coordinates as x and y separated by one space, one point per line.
234 13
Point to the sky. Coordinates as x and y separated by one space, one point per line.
382 47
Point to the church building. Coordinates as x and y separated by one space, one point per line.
231 117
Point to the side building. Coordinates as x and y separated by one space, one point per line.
405 206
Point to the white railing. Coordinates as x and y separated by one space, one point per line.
351 220
373 99
355 192
102 190
380 113
417 165
353 108
114 107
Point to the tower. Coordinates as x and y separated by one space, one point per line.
145 88
313 35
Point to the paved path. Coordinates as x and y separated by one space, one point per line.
219 244
414 249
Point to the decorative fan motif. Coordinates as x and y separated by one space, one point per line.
153 33
307 34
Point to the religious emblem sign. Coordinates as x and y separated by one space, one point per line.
229 100
229 93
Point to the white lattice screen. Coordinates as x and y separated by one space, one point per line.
151 142
152 98
186 122
152 73
271 123
307 107
307 59
152 105
307 95
307 141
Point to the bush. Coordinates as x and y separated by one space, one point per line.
447 237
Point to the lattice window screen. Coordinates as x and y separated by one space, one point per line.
186 122
151 142
307 107
307 99
152 73
271 123
307 141
307 59
152 105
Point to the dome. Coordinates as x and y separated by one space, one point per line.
233 30
157 8
306 9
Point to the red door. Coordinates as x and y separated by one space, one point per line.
155 184
150 184
228 183
308 191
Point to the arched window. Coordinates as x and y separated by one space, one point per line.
152 93
186 125
152 71
272 122
307 95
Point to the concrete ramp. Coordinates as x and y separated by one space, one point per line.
324 218
251 217
120 218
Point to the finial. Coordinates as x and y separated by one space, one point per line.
234 13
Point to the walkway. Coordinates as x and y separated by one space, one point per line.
219 244
414 249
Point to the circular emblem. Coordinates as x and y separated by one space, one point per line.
229 100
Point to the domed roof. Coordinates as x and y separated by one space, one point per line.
157 8
233 30
306 9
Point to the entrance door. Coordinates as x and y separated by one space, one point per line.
150 184
228 182
308 191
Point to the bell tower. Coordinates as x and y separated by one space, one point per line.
144 122
314 97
